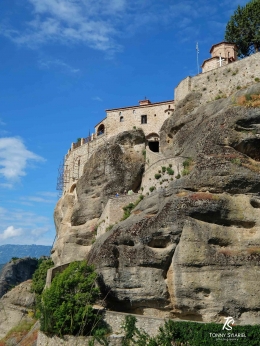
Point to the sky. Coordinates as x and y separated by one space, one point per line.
62 64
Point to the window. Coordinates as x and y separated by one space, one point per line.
169 106
121 119
143 119
120 113
101 130
133 111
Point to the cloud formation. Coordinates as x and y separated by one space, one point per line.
25 227
10 232
47 64
14 158
102 24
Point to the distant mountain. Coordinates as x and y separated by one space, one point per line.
8 251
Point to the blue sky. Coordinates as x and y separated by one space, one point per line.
62 63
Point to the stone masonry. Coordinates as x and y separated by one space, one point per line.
221 82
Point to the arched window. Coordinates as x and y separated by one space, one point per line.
101 130
121 119
120 113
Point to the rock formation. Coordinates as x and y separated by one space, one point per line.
191 250
15 272
14 308
114 168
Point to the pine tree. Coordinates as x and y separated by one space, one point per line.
243 28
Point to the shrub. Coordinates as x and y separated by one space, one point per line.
170 171
157 176
185 172
66 305
187 162
236 161
248 97
152 188
257 79
170 165
178 176
238 87
163 169
128 208
39 276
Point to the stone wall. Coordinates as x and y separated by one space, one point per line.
114 212
149 179
148 324
156 114
222 81
72 170
115 320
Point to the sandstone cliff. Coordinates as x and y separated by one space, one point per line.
15 272
189 250
115 167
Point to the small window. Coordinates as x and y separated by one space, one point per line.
133 111
143 119
169 106
155 115
121 119
120 113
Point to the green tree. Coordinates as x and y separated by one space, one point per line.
66 307
39 276
243 28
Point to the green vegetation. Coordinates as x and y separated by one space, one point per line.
243 28
163 169
152 188
157 175
109 227
186 333
236 161
187 166
257 79
144 154
39 276
128 208
170 171
178 176
66 307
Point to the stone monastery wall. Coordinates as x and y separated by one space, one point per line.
124 119
117 121
222 81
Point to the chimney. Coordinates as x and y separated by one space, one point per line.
144 102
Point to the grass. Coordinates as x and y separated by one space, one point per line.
249 100
128 208
18 332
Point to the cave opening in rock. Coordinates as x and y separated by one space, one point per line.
250 147
154 146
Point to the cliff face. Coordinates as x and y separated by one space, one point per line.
16 272
192 250
115 167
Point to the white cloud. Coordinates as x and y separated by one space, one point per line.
26 227
100 24
47 64
96 23
97 98
10 232
14 158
